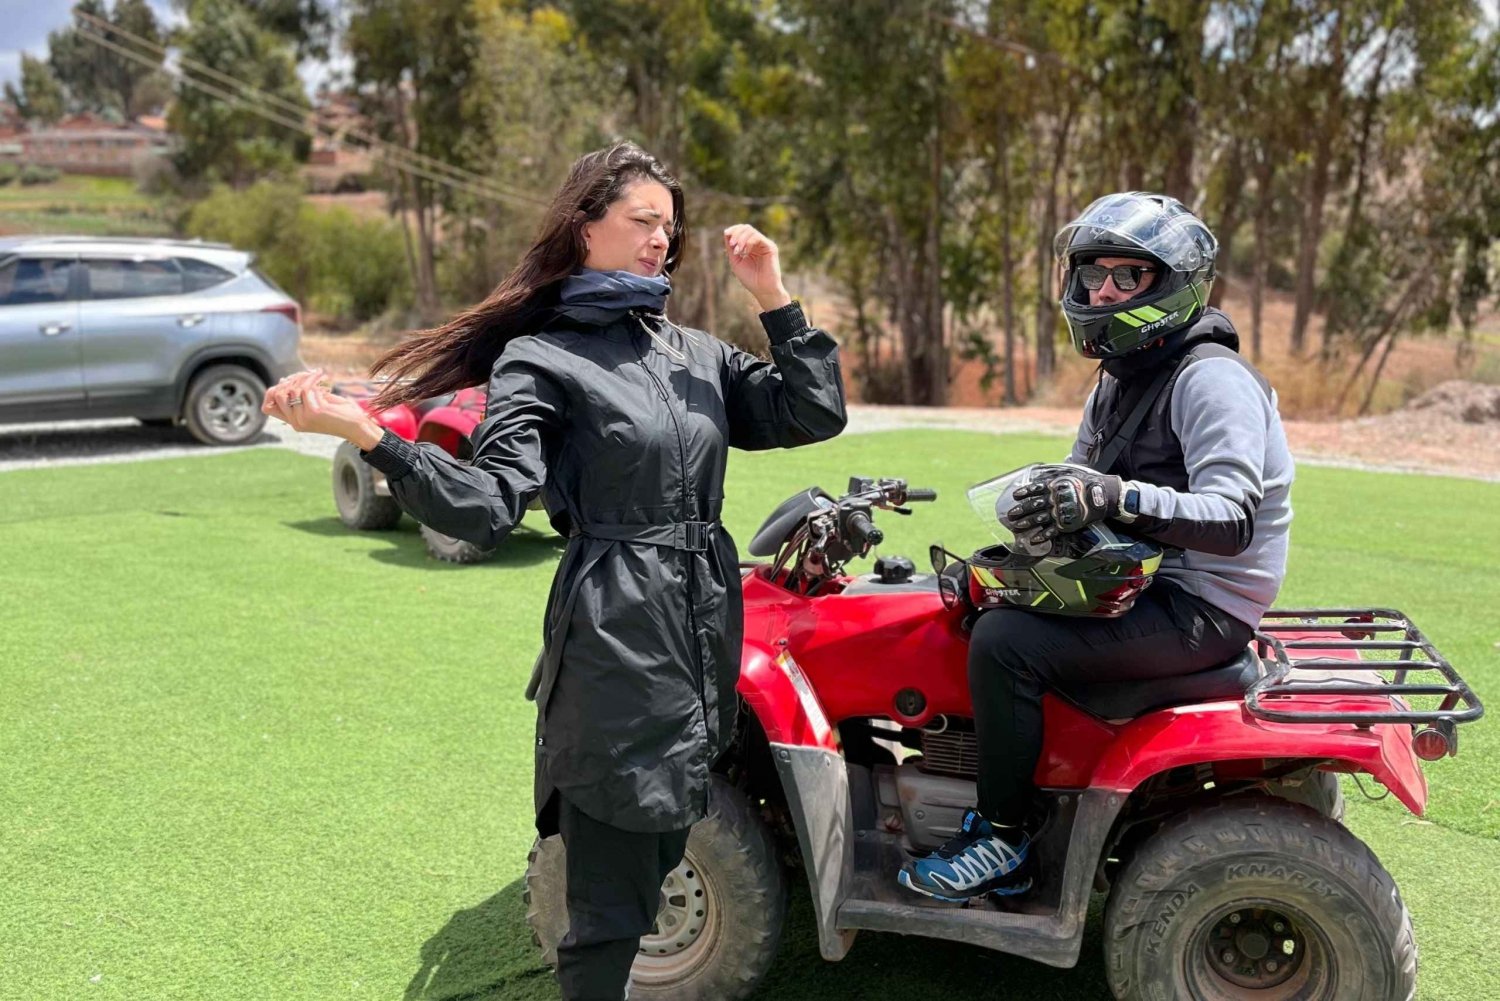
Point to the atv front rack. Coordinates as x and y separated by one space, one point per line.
1387 649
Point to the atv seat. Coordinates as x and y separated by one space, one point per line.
1128 699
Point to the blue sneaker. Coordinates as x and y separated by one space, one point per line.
973 862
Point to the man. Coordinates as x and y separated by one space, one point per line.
1186 449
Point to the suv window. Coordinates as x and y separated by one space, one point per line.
121 279
26 280
200 274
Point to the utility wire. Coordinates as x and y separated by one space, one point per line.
293 117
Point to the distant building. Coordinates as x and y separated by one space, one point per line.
91 144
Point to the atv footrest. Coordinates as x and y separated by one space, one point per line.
1045 924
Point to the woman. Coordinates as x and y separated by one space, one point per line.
621 420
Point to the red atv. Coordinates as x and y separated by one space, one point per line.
360 491
1206 807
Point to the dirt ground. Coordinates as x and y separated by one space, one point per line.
1423 426
1431 439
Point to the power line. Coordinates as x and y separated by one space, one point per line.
256 101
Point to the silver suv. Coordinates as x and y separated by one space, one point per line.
160 330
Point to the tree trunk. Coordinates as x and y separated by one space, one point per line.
1315 191
936 393
1007 257
422 270
1354 222
1265 171
1046 308
1229 216
1364 408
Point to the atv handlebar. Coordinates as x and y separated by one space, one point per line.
862 531
833 532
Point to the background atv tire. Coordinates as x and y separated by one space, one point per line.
451 550
719 954
359 506
1257 898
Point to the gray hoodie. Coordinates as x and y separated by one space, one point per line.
1226 510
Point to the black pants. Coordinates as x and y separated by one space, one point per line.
614 882
1015 654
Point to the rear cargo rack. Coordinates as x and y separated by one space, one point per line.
1404 664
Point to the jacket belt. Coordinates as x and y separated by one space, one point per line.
688 536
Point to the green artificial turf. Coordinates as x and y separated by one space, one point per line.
247 753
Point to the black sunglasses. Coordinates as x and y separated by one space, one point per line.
1127 276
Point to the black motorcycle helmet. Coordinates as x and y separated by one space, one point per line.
1098 571
1157 229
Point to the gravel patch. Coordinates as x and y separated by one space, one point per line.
80 443
1410 441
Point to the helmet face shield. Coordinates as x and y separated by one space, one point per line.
1094 572
1136 223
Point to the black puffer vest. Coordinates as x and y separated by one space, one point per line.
1155 453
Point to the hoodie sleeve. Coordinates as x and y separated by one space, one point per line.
796 398
1222 416
482 500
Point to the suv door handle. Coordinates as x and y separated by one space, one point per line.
53 329
190 320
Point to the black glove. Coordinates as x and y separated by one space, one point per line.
1063 504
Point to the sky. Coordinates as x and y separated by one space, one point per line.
27 22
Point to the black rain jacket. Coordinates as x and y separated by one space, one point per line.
624 429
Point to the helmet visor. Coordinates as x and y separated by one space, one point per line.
1157 226
993 499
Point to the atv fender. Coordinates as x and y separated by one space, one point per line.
1225 731
449 428
399 420
813 777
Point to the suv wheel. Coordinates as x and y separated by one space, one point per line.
223 405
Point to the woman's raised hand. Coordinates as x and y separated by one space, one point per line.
756 262
302 402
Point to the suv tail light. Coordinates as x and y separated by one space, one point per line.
290 310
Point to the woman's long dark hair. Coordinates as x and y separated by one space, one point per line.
462 351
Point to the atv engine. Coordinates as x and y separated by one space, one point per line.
926 795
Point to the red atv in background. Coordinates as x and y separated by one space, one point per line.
1207 807
360 491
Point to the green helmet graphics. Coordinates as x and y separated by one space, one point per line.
1155 228
1095 572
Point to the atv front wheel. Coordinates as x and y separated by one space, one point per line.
721 912
451 550
1258 897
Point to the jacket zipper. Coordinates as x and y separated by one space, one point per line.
686 516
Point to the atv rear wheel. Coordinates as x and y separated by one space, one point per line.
451 550
354 493
1257 898
721 913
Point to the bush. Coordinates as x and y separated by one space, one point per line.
8 172
328 260
35 174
